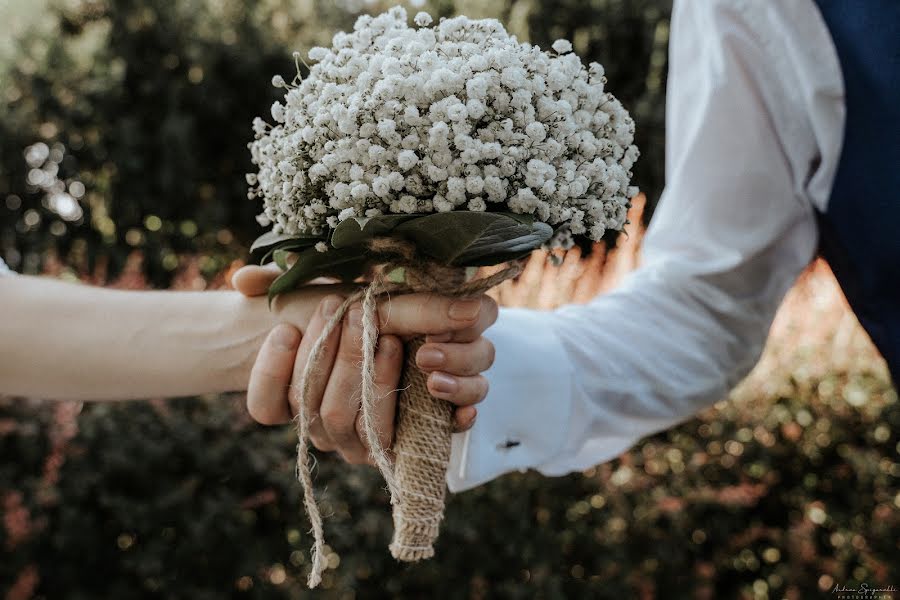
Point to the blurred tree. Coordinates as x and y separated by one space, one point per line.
149 105
153 100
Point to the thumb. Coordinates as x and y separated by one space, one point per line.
253 280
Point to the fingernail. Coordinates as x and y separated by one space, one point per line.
443 383
354 318
465 417
286 337
465 309
429 358
388 347
330 306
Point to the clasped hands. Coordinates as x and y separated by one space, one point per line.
454 355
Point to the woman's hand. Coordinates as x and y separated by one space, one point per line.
454 356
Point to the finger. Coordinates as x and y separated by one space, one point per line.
388 365
487 316
457 359
418 314
461 391
254 280
464 418
340 403
270 377
319 376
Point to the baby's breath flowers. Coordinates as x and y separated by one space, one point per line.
460 116
427 150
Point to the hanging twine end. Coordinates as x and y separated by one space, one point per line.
318 567
416 479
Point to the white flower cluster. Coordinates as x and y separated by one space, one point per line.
460 116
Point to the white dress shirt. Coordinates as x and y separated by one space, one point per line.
755 119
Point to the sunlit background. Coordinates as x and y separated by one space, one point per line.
123 137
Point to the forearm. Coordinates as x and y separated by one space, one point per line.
66 341
575 387
729 237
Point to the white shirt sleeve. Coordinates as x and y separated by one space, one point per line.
4 270
734 228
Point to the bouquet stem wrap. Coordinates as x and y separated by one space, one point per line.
422 442
422 451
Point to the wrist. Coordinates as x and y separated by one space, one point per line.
251 320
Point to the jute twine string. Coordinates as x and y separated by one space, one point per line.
422 447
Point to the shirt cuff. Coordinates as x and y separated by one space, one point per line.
522 422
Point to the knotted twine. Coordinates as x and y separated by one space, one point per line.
424 423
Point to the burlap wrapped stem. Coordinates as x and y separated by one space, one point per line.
413 253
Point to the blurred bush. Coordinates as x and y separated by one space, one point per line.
785 492
147 106
188 499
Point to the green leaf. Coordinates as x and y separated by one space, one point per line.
461 238
465 238
525 219
280 257
346 264
397 275
271 240
356 231
289 246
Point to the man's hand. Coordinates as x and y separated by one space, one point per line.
454 355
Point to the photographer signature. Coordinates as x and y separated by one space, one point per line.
864 591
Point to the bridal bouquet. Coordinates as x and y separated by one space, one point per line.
409 154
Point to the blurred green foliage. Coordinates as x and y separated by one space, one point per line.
783 497
149 104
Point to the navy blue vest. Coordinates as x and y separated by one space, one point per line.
860 230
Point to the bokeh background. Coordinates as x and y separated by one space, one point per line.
123 133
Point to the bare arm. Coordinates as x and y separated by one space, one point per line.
66 341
